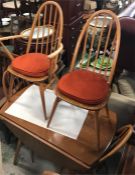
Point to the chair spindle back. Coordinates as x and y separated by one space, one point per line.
47 29
98 44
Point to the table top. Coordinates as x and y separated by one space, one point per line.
83 150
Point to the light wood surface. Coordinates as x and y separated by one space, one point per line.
80 153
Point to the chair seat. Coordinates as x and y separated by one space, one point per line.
84 86
32 64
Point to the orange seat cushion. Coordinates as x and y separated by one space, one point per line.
32 64
84 86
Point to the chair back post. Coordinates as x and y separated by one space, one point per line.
48 14
84 37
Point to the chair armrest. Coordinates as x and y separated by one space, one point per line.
55 53
10 37
6 50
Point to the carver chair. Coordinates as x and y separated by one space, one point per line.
119 141
87 85
39 64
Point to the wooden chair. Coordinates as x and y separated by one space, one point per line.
119 141
87 85
39 64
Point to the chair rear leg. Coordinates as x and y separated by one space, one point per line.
11 85
53 110
107 110
97 129
108 114
7 91
4 84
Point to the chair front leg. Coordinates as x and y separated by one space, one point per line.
41 88
53 111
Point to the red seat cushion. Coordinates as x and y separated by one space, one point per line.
84 86
32 64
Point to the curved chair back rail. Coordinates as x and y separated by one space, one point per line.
120 139
99 37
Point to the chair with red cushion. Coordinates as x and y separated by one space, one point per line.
87 85
39 64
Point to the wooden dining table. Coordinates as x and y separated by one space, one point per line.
80 153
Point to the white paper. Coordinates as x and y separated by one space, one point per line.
67 120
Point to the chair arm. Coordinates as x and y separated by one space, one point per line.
10 37
55 53
53 61
6 50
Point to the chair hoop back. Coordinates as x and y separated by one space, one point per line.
47 29
120 139
98 44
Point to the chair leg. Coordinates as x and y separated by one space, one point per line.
107 110
19 143
97 129
108 114
11 84
43 100
8 93
4 84
53 110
